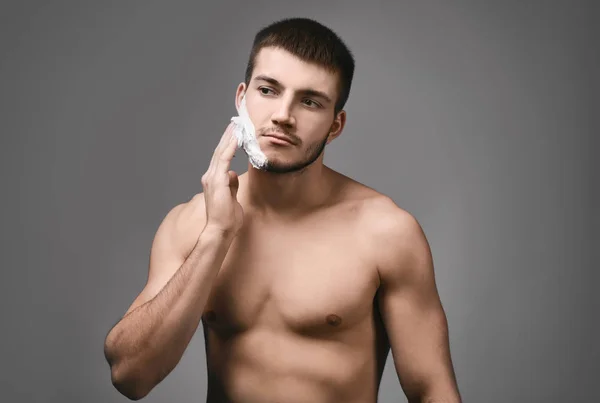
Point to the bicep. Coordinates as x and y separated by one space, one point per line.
413 314
418 334
173 241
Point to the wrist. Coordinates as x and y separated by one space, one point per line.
218 233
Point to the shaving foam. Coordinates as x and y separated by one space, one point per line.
244 131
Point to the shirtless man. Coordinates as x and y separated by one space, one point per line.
301 277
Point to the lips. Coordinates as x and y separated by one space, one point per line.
279 137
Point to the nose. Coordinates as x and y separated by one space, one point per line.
283 114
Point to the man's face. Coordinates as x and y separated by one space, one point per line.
293 99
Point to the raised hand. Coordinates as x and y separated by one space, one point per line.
223 211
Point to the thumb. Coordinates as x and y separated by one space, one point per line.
234 183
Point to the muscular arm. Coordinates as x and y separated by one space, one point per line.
412 312
148 342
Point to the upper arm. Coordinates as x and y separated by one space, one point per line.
174 240
411 309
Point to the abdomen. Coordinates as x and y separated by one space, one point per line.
263 365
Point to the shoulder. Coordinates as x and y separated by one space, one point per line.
187 215
388 220
395 239
377 213
182 225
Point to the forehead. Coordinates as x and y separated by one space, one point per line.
293 72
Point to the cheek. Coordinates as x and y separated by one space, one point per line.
315 126
258 109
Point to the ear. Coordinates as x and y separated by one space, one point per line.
337 126
239 94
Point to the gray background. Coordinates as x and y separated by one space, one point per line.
477 117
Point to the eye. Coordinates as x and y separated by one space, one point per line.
266 90
312 104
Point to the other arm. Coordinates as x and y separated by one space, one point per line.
412 312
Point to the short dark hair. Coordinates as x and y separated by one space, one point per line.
312 42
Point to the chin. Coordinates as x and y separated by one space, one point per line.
284 167
279 157
278 163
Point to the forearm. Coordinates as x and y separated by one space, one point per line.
441 399
451 396
149 342
448 399
441 392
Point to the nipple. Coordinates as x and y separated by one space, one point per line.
333 320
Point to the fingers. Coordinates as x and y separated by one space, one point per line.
220 145
223 143
225 138
234 182
224 160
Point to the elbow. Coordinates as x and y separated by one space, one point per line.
126 379
130 383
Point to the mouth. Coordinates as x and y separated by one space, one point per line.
278 138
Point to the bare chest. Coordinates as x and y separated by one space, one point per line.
309 280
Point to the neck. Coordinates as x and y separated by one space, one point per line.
287 194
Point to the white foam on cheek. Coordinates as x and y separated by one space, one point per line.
246 136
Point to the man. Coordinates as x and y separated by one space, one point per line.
302 278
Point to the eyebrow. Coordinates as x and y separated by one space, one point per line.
305 91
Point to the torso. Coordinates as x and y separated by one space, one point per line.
292 316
